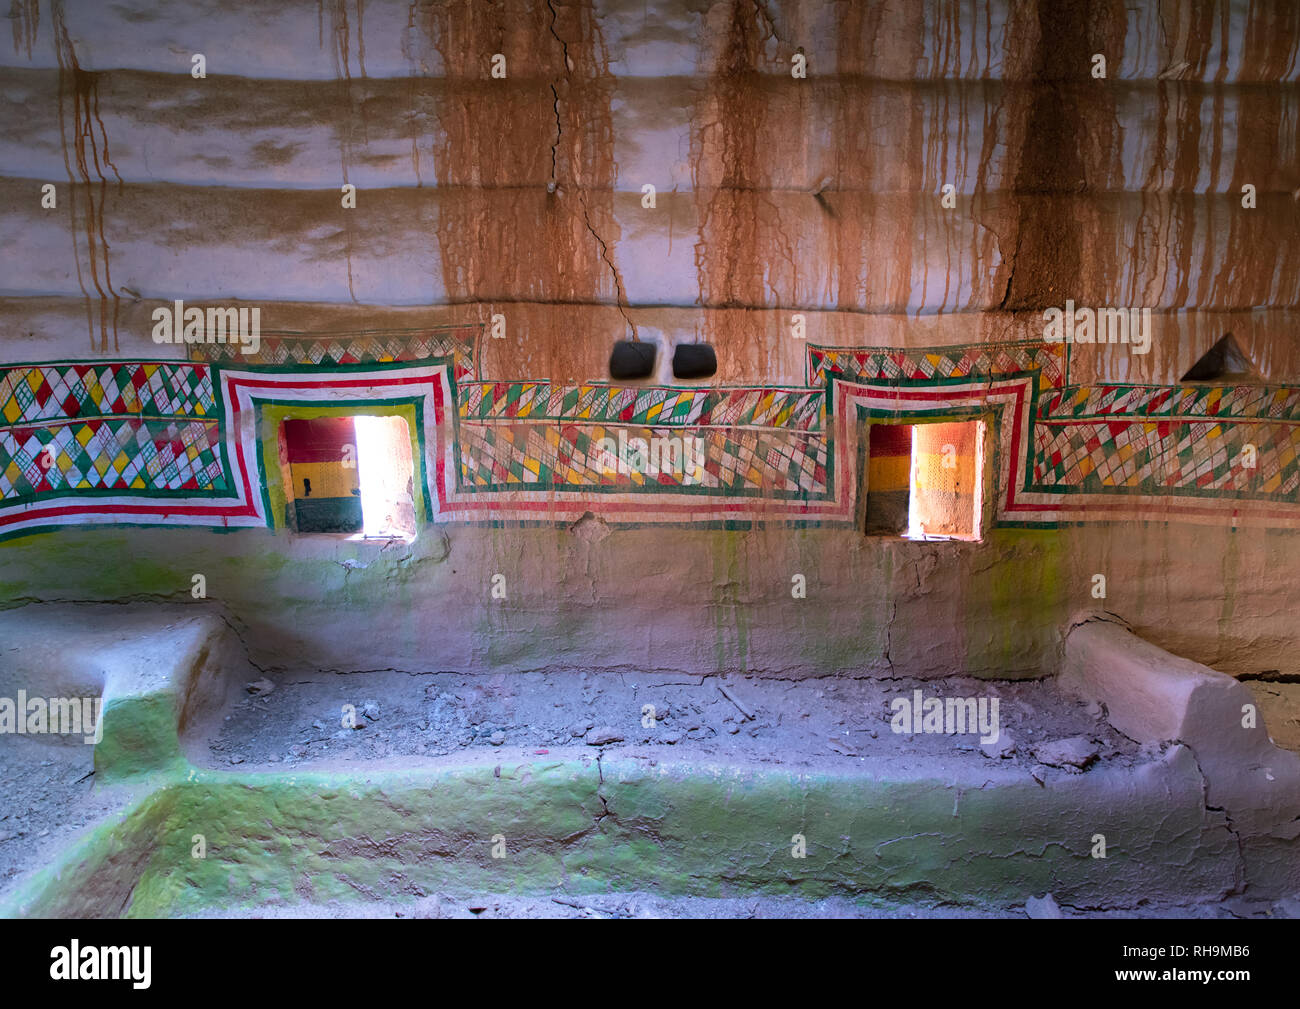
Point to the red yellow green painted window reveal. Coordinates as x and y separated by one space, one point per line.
346 468
319 455
926 479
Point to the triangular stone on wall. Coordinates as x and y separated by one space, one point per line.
1223 361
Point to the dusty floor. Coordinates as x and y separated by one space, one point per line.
46 798
647 905
829 724
824 724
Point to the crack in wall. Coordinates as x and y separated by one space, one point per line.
620 295
504 148
889 634
1239 870
555 94
559 133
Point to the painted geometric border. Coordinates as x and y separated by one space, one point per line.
1193 402
111 455
786 408
1022 502
70 390
283 349
1004 404
243 502
411 409
243 392
937 365
1240 461
164 441
553 456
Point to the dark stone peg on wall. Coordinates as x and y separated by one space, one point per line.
632 359
694 360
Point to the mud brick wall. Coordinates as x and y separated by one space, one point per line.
865 209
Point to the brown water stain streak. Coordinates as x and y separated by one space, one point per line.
502 144
350 111
743 257
25 19
82 154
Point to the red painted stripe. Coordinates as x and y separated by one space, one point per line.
891 439
320 439
161 508
231 393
